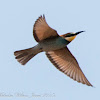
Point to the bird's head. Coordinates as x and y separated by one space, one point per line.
71 36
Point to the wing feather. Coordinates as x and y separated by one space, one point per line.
41 30
63 60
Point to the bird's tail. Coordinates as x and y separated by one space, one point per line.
23 56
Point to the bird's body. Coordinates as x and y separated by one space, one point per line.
53 43
55 48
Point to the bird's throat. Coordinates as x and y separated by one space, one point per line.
70 38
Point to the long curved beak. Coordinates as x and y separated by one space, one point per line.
79 32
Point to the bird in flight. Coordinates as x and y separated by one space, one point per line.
55 48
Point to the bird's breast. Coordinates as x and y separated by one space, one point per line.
53 44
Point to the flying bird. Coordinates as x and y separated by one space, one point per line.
55 48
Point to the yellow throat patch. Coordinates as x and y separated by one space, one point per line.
70 38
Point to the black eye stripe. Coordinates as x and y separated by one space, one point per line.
69 35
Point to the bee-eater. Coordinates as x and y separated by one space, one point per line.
54 46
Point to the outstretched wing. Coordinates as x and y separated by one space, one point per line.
66 62
41 30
